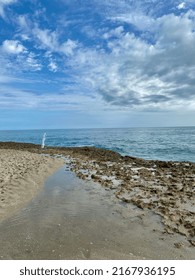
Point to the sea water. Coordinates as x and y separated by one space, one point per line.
170 143
74 219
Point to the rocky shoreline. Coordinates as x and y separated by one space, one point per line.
166 188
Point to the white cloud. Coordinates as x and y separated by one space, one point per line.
68 47
24 23
24 27
181 5
46 38
32 62
14 57
124 70
49 40
13 47
52 66
117 32
6 2
3 4
176 28
138 19
139 74
12 97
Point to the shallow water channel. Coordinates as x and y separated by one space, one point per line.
75 219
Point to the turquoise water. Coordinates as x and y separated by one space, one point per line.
174 143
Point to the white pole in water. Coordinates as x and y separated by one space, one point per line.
43 141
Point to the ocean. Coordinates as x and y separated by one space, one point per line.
170 143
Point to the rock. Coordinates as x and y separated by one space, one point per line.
178 244
192 242
95 177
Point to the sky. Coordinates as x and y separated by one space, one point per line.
96 63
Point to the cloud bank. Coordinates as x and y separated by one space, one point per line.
125 55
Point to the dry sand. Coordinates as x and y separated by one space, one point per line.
21 175
166 188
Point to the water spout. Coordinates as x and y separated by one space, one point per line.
43 141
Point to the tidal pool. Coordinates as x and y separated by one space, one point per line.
75 219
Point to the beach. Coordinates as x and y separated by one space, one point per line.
156 188
22 174
166 188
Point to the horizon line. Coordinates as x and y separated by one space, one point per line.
83 128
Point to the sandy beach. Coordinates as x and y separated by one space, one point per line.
163 188
21 176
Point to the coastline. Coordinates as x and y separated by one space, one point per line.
22 174
166 188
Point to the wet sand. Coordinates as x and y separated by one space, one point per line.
73 219
165 189
22 174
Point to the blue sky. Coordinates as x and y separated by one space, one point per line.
96 63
